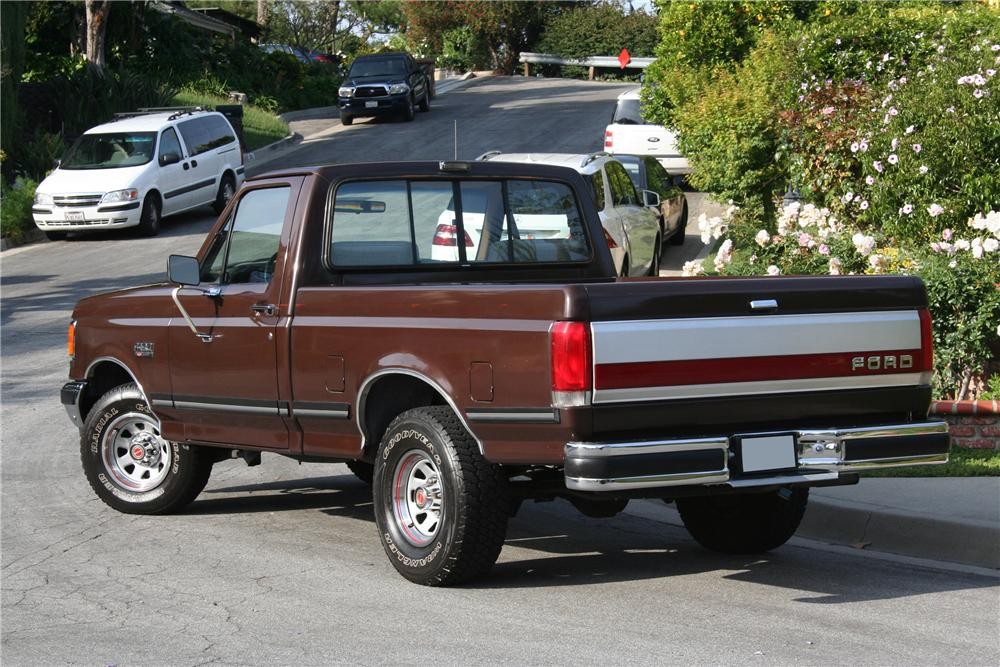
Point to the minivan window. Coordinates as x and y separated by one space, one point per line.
110 150
169 143
205 133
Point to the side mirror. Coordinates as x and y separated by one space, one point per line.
169 158
650 198
183 270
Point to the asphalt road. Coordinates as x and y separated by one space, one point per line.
280 563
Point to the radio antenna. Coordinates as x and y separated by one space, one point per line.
456 139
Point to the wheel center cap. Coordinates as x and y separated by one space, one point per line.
421 497
138 452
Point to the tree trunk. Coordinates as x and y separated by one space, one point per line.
97 28
262 13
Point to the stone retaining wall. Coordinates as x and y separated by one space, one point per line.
972 423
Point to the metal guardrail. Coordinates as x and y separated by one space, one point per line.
592 62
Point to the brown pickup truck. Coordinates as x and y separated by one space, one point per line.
316 323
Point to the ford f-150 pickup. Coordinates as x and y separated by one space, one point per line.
318 323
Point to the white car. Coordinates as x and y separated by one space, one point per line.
630 134
134 171
631 228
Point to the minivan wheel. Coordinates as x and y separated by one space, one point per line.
227 188
149 221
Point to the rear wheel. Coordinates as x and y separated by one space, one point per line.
440 507
55 236
678 237
129 464
744 523
149 220
425 103
227 188
624 272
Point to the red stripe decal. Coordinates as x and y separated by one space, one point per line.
756 369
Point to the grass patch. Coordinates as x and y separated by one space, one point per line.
962 462
259 127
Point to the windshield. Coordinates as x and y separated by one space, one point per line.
627 113
385 67
110 151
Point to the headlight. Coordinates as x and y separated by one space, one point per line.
43 199
118 196
398 89
346 91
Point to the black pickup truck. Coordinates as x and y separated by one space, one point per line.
384 84
317 323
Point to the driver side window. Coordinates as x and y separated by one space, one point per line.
169 143
245 252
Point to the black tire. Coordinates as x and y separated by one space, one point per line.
654 265
744 523
410 111
149 220
55 236
227 189
460 535
678 237
346 119
425 103
118 424
362 470
624 272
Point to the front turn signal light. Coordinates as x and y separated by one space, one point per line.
71 340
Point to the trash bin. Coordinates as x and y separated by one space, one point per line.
234 114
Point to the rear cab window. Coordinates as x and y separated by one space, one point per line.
449 222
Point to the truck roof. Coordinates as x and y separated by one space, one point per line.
454 168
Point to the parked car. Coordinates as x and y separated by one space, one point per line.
648 174
632 230
630 133
306 56
138 169
384 84
311 325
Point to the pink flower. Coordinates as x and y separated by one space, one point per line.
947 233
893 159
909 130
893 111
773 270
835 266
855 147
863 146
826 111
870 180
917 148
877 164
923 169
907 209
935 246
806 241
824 249
977 93
935 210
864 205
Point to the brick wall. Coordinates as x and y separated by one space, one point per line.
971 423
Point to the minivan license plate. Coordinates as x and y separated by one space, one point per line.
76 216
773 452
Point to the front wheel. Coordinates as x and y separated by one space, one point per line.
410 110
654 264
227 188
425 103
440 507
149 219
346 119
678 237
744 523
129 464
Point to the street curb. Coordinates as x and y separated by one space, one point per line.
292 138
965 542
969 542
31 236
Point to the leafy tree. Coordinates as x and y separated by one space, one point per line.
97 28
330 26
603 29
12 16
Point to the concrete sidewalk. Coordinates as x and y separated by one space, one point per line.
952 519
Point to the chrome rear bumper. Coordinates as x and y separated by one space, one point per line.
821 455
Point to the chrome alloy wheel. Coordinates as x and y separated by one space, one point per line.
417 498
134 454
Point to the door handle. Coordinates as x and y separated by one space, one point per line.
194 163
186 167
268 309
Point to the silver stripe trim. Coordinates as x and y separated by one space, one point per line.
921 428
763 304
751 388
790 478
227 407
331 414
753 336
534 417
647 481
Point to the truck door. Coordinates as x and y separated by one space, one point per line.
224 380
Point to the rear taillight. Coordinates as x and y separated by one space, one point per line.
926 340
446 235
609 139
610 241
71 340
571 357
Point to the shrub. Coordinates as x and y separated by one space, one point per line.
15 208
37 157
599 30
463 50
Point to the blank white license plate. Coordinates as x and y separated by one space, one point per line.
74 215
371 105
773 452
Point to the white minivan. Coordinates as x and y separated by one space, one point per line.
139 168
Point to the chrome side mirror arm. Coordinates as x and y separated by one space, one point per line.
212 292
